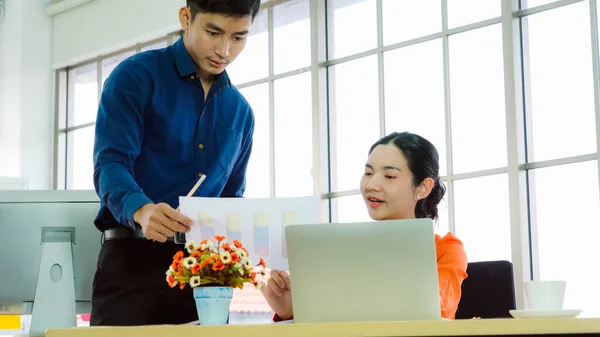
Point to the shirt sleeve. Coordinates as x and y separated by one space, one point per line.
452 266
236 184
118 141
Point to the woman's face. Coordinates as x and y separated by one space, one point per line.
387 185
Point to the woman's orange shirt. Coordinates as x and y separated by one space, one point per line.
452 270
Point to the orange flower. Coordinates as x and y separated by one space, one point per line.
181 285
226 247
218 266
180 271
235 257
203 242
176 264
252 277
219 238
237 244
178 256
263 263
196 268
195 254
171 281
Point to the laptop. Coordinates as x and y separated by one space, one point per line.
363 271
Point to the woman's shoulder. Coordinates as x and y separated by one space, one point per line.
448 239
451 247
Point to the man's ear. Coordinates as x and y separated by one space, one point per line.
185 18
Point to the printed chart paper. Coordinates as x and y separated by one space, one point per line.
259 224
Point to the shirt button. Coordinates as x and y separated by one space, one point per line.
200 175
192 77
201 146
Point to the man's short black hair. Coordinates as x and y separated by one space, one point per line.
235 8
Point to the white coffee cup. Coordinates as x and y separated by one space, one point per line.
545 295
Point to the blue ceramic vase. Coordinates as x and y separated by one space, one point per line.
212 304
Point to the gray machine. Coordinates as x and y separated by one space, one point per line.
48 252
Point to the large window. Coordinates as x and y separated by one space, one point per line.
447 85
562 156
445 74
78 97
513 111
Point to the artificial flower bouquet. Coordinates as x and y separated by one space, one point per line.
214 264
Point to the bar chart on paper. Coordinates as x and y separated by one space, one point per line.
233 223
207 224
261 234
289 218
259 224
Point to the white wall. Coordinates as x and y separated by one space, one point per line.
36 44
104 26
26 94
10 83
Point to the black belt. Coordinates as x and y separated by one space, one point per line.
124 233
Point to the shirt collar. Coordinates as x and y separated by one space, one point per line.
185 65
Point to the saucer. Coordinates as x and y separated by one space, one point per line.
521 314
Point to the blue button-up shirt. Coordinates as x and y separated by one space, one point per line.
155 134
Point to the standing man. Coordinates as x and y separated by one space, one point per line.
165 118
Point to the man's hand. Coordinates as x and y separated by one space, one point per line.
161 221
278 294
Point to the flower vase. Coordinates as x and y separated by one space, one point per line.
212 304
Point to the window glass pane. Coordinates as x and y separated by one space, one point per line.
157 45
482 217
85 94
355 111
83 163
405 20
477 100
464 12
350 209
291 35
109 64
293 136
353 25
63 88
61 157
258 174
562 92
253 62
567 227
414 93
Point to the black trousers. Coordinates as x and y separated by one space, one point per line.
130 286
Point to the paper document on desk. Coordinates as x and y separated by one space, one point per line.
259 224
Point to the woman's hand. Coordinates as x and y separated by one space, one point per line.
278 294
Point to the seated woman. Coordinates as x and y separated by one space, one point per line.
400 182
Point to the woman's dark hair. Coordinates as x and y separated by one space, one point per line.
423 161
233 8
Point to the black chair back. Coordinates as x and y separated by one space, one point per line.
488 291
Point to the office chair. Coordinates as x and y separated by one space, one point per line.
488 291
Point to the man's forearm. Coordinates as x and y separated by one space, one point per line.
119 192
